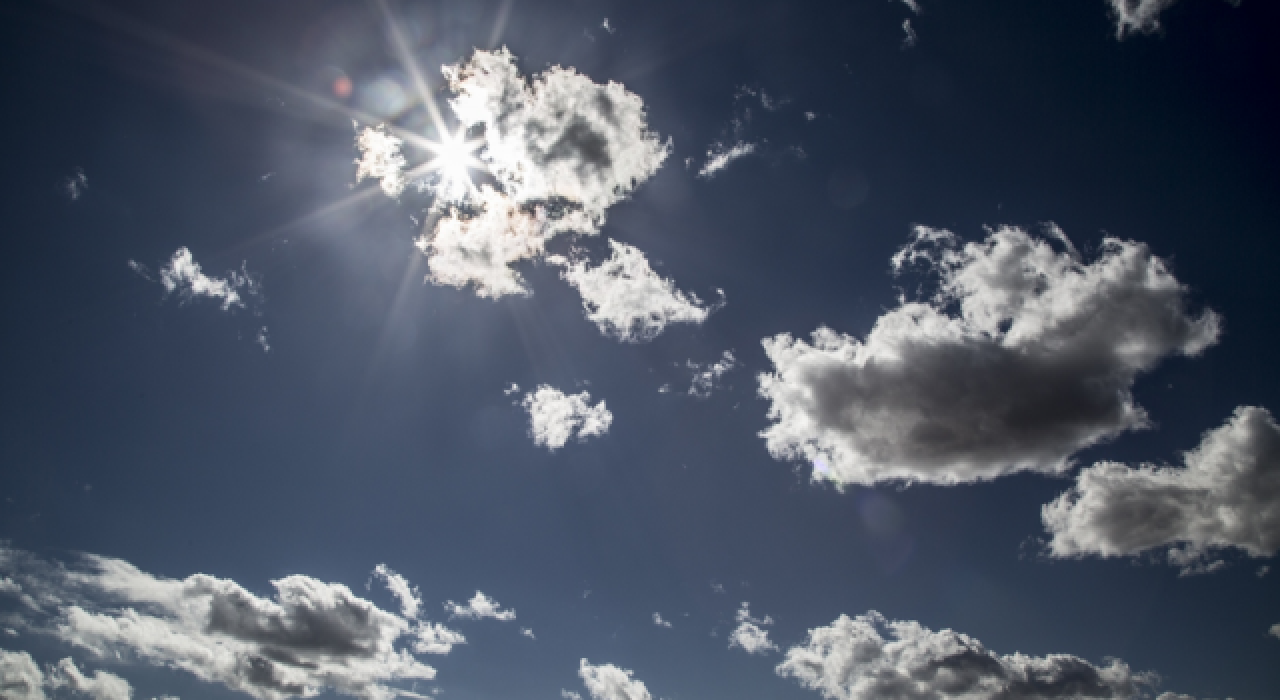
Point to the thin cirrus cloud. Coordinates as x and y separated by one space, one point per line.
750 635
626 299
1026 354
869 656
1226 496
480 607
309 637
556 417
720 155
608 682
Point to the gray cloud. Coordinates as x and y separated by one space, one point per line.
1142 16
869 657
1025 355
308 637
1225 496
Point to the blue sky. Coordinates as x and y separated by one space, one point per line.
667 350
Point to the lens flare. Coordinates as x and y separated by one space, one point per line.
454 158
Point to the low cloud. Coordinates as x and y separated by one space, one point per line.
308 637
750 635
1024 355
608 682
1141 16
626 299
555 418
868 657
706 377
480 607
1226 496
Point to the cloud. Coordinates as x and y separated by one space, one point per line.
1025 355
308 637
182 275
100 686
479 607
554 417
608 682
1225 496
569 695
719 156
657 620
749 635
912 5
381 159
1275 630
1142 16
407 595
626 299
528 633
706 376
20 677
910 39
869 657
75 184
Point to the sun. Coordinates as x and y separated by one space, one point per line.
454 158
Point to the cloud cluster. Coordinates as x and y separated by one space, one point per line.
555 418
608 682
480 607
749 635
1226 496
310 636
1142 16
1025 355
869 657
706 376
626 299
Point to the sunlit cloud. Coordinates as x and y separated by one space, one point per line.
183 276
381 159
20 677
101 685
608 682
750 635
626 299
869 656
555 418
480 607
1225 497
1025 355
719 156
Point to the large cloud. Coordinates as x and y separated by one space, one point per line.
308 637
1025 355
1226 496
555 418
608 682
626 299
868 657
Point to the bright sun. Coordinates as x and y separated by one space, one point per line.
454 158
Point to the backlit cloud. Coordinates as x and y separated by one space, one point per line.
306 638
1025 355
608 682
183 276
381 159
1225 496
556 417
626 299
750 635
869 657
480 607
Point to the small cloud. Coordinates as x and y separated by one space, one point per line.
74 185
717 587
1262 570
513 389
719 157
1141 16
912 5
569 695
528 633
262 339
266 177
608 27
664 389
183 275
480 607
706 376
657 620
381 159
608 682
1275 630
810 116
750 635
555 418
910 40
406 595
102 685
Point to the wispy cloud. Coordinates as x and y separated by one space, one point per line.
1141 16
706 377
719 156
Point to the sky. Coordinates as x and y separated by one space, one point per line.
603 350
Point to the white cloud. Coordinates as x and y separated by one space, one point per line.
626 299
308 637
1024 356
912 5
100 686
719 156
1226 496
183 275
749 635
479 607
263 341
435 638
608 682
569 695
381 159
870 657
910 40
1141 16
555 418
706 376
75 185
20 677
608 27
406 595
1275 630
528 633
657 620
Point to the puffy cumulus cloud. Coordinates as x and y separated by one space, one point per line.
20 677
1142 16
182 275
749 635
608 682
706 376
1225 496
555 417
869 657
308 637
381 159
1025 355
100 686
719 156
479 607
626 299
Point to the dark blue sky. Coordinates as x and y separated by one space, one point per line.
376 430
